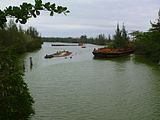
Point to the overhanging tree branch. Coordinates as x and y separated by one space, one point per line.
27 10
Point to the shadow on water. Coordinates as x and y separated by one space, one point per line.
121 59
155 82
138 59
15 99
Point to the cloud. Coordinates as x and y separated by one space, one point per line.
93 17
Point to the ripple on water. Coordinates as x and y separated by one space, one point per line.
87 89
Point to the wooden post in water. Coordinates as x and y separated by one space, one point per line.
31 63
23 66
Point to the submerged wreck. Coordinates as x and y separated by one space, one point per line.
58 54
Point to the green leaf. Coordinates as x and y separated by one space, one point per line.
38 5
47 5
34 15
17 20
64 8
23 21
38 2
53 6
37 12
51 13
67 11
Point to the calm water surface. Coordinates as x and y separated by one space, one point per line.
82 88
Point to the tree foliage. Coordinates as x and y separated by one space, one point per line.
18 40
120 39
148 43
83 39
27 10
156 26
15 99
101 39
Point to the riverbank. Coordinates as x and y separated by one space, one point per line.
15 98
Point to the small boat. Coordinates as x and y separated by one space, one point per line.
83 46
111 52
58 54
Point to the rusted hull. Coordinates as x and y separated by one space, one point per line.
111 54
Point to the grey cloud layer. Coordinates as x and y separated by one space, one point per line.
93 17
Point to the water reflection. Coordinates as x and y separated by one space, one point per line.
117 59
83 88
118 62
138 59
15 99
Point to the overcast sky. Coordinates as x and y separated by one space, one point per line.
93 17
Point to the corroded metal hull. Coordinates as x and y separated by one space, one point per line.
111 54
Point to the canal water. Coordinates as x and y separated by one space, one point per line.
81 88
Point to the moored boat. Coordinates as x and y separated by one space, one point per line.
111 52
58 54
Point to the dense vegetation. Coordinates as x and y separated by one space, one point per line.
17 40
148 43
120 39
15 99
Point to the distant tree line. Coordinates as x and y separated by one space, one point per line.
59 39
101 39
119 40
